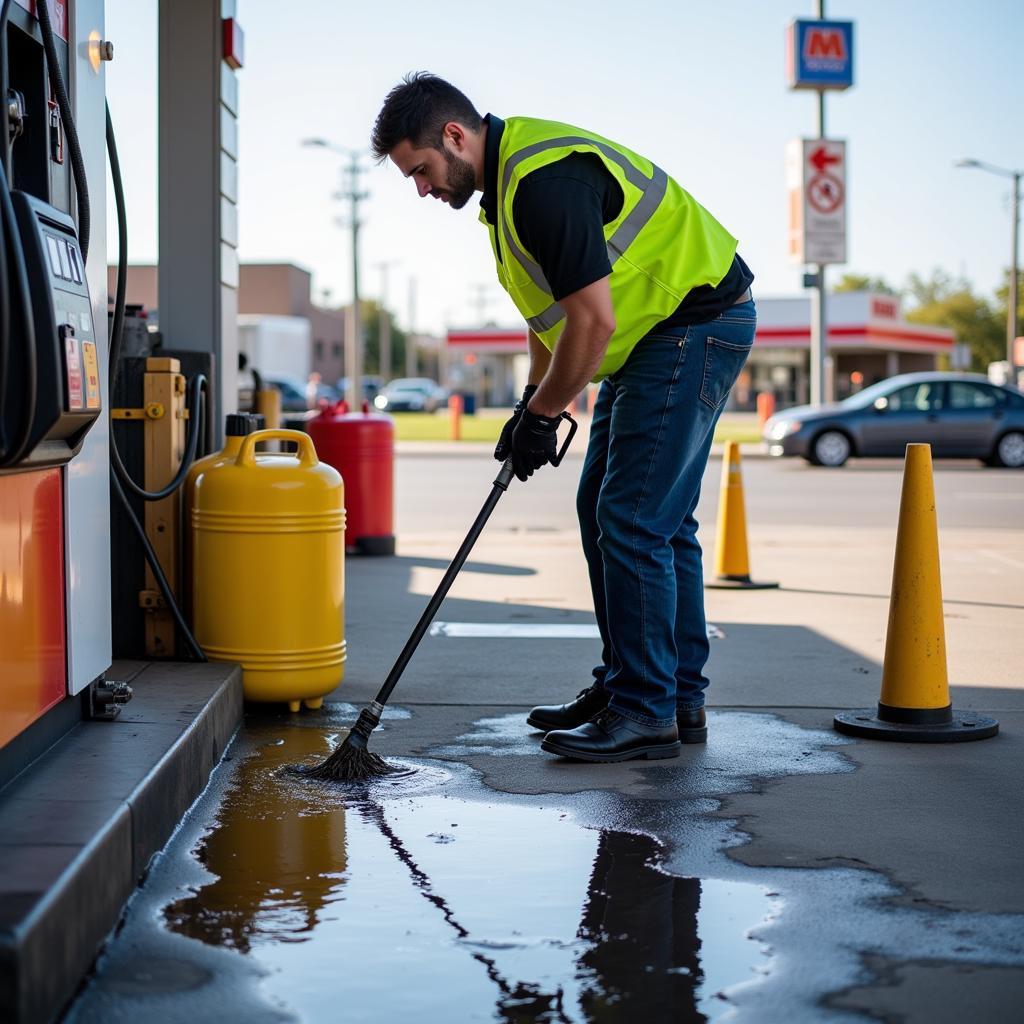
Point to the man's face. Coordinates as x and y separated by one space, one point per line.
442 173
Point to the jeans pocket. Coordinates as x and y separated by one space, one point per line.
723 361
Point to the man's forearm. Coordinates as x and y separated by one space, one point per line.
577 356
540 359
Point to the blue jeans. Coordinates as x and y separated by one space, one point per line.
649 443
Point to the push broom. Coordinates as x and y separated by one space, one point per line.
353 761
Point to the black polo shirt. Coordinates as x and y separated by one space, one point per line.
560 211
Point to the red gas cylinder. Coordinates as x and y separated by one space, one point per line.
361 447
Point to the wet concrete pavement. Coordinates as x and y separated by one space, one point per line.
782 872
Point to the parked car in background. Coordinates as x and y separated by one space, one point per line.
293 393
960 415
325 393
372 387
412 394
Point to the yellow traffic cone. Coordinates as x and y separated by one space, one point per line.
732 562
915 703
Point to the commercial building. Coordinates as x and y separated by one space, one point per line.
274 289
868 340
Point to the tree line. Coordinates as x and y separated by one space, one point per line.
945 300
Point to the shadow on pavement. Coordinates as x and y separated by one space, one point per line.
886 597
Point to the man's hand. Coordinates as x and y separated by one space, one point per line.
534 442
504 447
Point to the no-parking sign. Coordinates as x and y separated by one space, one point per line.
816 181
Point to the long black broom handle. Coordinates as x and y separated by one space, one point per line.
504 478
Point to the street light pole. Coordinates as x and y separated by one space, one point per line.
384 320
1011 311
410 338
1013 296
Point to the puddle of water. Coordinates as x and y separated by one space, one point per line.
741 746
430 896
410 901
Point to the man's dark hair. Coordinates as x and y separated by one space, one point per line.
418 109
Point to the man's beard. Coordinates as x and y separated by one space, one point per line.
461 182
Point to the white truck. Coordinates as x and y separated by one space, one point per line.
277 347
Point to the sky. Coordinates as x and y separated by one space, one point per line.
699 88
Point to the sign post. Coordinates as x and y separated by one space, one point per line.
819 56
816 180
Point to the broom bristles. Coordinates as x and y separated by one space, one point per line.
349 763
352 761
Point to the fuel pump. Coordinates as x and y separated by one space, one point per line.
54 611
49 364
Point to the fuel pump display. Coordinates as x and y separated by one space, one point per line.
67 399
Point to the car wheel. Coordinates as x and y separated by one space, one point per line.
1010 450
831 448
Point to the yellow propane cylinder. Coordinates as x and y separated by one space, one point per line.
269 572
236 426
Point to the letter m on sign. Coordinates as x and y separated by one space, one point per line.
819 54
825 43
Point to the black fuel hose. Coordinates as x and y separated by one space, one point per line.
116 337
20 290
154 563
195 420
117 468
5 296
13 282
121 287
64 105
5 150
5 320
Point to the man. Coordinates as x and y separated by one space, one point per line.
622 278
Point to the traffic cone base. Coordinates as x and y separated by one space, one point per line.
737 583
960 727
915 705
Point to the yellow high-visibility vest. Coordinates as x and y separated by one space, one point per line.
662 244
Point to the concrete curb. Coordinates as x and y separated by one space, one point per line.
79 827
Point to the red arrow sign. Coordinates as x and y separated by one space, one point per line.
821 158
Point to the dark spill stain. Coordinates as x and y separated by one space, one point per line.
574 924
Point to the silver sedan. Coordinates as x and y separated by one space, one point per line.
960 415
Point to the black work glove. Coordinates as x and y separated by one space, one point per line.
534 442
504 447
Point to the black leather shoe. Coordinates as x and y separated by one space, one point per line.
568 716
610 737
693 726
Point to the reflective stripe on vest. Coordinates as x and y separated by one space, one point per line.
661 245
653 190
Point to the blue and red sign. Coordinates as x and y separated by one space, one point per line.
819 54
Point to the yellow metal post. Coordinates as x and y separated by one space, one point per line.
164 447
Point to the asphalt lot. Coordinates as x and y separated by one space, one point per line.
777 491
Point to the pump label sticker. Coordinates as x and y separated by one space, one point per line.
92 375
73 371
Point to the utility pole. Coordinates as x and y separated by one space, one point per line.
410 338
820 378
480 301
384 320
354 331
